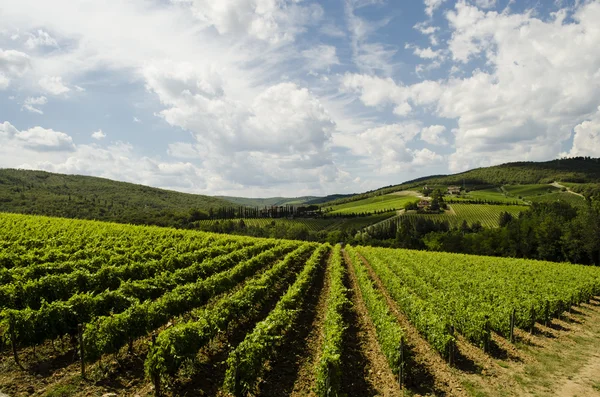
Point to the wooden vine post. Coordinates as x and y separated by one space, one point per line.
546 313
451 346
237 392
81 349
532 312
13 340
402 364
512 325
328 381
486 342
155 376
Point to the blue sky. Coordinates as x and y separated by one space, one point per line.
294 97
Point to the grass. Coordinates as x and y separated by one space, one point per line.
492 194
373 204
62 391
572 199
530 190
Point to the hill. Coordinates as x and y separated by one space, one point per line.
86 197
579 170
282 201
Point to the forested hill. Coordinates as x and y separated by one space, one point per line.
86 197
282 201
578 169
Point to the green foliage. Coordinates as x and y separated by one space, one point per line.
486 215
389 333
412 296
370 205
246 363
177 344
328 369
579 169
469 291
530 190
86 197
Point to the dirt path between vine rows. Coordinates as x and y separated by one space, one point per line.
365 370
292 372
428 373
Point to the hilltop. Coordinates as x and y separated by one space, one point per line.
87 197
578 170
283 201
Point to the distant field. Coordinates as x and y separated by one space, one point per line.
530 190
492 194
313 225
570 198
487 215
372 204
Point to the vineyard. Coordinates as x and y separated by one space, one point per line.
487 215
312 224
89 308
388 202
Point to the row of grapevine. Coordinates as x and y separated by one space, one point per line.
419 309
147 261
328 369
487 215
245 364
107 334
29 327
476 295
32 293
182 341
389 333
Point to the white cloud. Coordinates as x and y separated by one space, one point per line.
428 30
280 133
40 39
425 53
30 104
321 57
539 86
98 135
433 135
53 85
183 150
376 91
384 148
368 56
586 141
426 157
273 21
13 64
4 82
136 120
36 139
432 5
486 3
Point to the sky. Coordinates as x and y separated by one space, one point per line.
262 98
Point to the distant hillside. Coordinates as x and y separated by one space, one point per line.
86 197
578 170
282 201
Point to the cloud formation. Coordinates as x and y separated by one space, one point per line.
290 97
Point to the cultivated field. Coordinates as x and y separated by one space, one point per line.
312 224
162 311
369 205
487 215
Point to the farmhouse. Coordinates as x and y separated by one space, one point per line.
453 189
423 204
